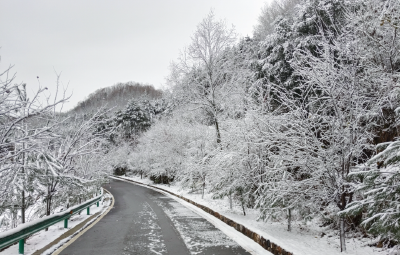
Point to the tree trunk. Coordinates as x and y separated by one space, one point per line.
341 219
23 177
48 206
14 213
204 186
23 207
167 177
217 130
230 201
79 203
242 202
244 212
342 224
289 226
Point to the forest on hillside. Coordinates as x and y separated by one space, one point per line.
300 121
116 97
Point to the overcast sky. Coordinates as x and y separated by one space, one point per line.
98 43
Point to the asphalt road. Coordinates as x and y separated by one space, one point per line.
144 221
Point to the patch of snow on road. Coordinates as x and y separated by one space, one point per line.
150 239
197 233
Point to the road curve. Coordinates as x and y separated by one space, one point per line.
144 221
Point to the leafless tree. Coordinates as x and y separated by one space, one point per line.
201 70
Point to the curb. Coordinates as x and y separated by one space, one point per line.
265 243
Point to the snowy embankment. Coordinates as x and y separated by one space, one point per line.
304 239
53 236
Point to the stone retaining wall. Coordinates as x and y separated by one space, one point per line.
266 244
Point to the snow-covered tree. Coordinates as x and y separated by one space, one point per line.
201 73
132 120
60 163
377 24
270 13
339 96
24 121
171 149
45 154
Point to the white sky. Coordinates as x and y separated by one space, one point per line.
98 43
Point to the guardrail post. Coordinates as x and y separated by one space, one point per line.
88 210
66 223
21 246
98 203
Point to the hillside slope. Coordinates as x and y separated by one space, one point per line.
116 96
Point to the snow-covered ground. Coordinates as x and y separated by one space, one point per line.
305 238
42 238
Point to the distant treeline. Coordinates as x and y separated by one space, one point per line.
117 96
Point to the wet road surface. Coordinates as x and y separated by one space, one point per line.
144 221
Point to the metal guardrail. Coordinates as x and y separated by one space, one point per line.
25 230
